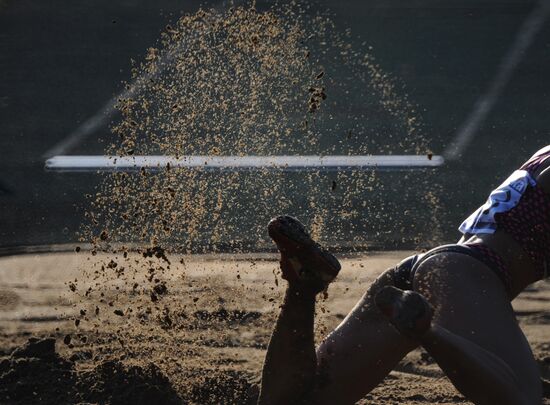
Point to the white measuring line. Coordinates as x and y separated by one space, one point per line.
483 106
300 163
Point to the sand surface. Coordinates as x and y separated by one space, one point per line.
202 341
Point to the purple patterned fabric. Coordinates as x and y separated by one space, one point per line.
529 221
536 160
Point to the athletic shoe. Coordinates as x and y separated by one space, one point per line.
302 259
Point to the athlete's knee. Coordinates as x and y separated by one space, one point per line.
398 276
383 280
403 273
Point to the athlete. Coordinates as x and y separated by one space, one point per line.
453 300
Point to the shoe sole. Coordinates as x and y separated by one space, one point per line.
292 239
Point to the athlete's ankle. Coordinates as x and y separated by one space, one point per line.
304 290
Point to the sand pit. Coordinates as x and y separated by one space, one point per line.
202 341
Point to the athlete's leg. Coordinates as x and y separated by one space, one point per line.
349 363
290 363
474 335
479 374
360 352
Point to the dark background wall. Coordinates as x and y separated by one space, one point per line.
60 61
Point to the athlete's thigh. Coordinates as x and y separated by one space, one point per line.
469 300
360 352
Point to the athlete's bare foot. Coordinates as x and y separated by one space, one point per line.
408 311
303 261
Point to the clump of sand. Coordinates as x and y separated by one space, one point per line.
35 373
